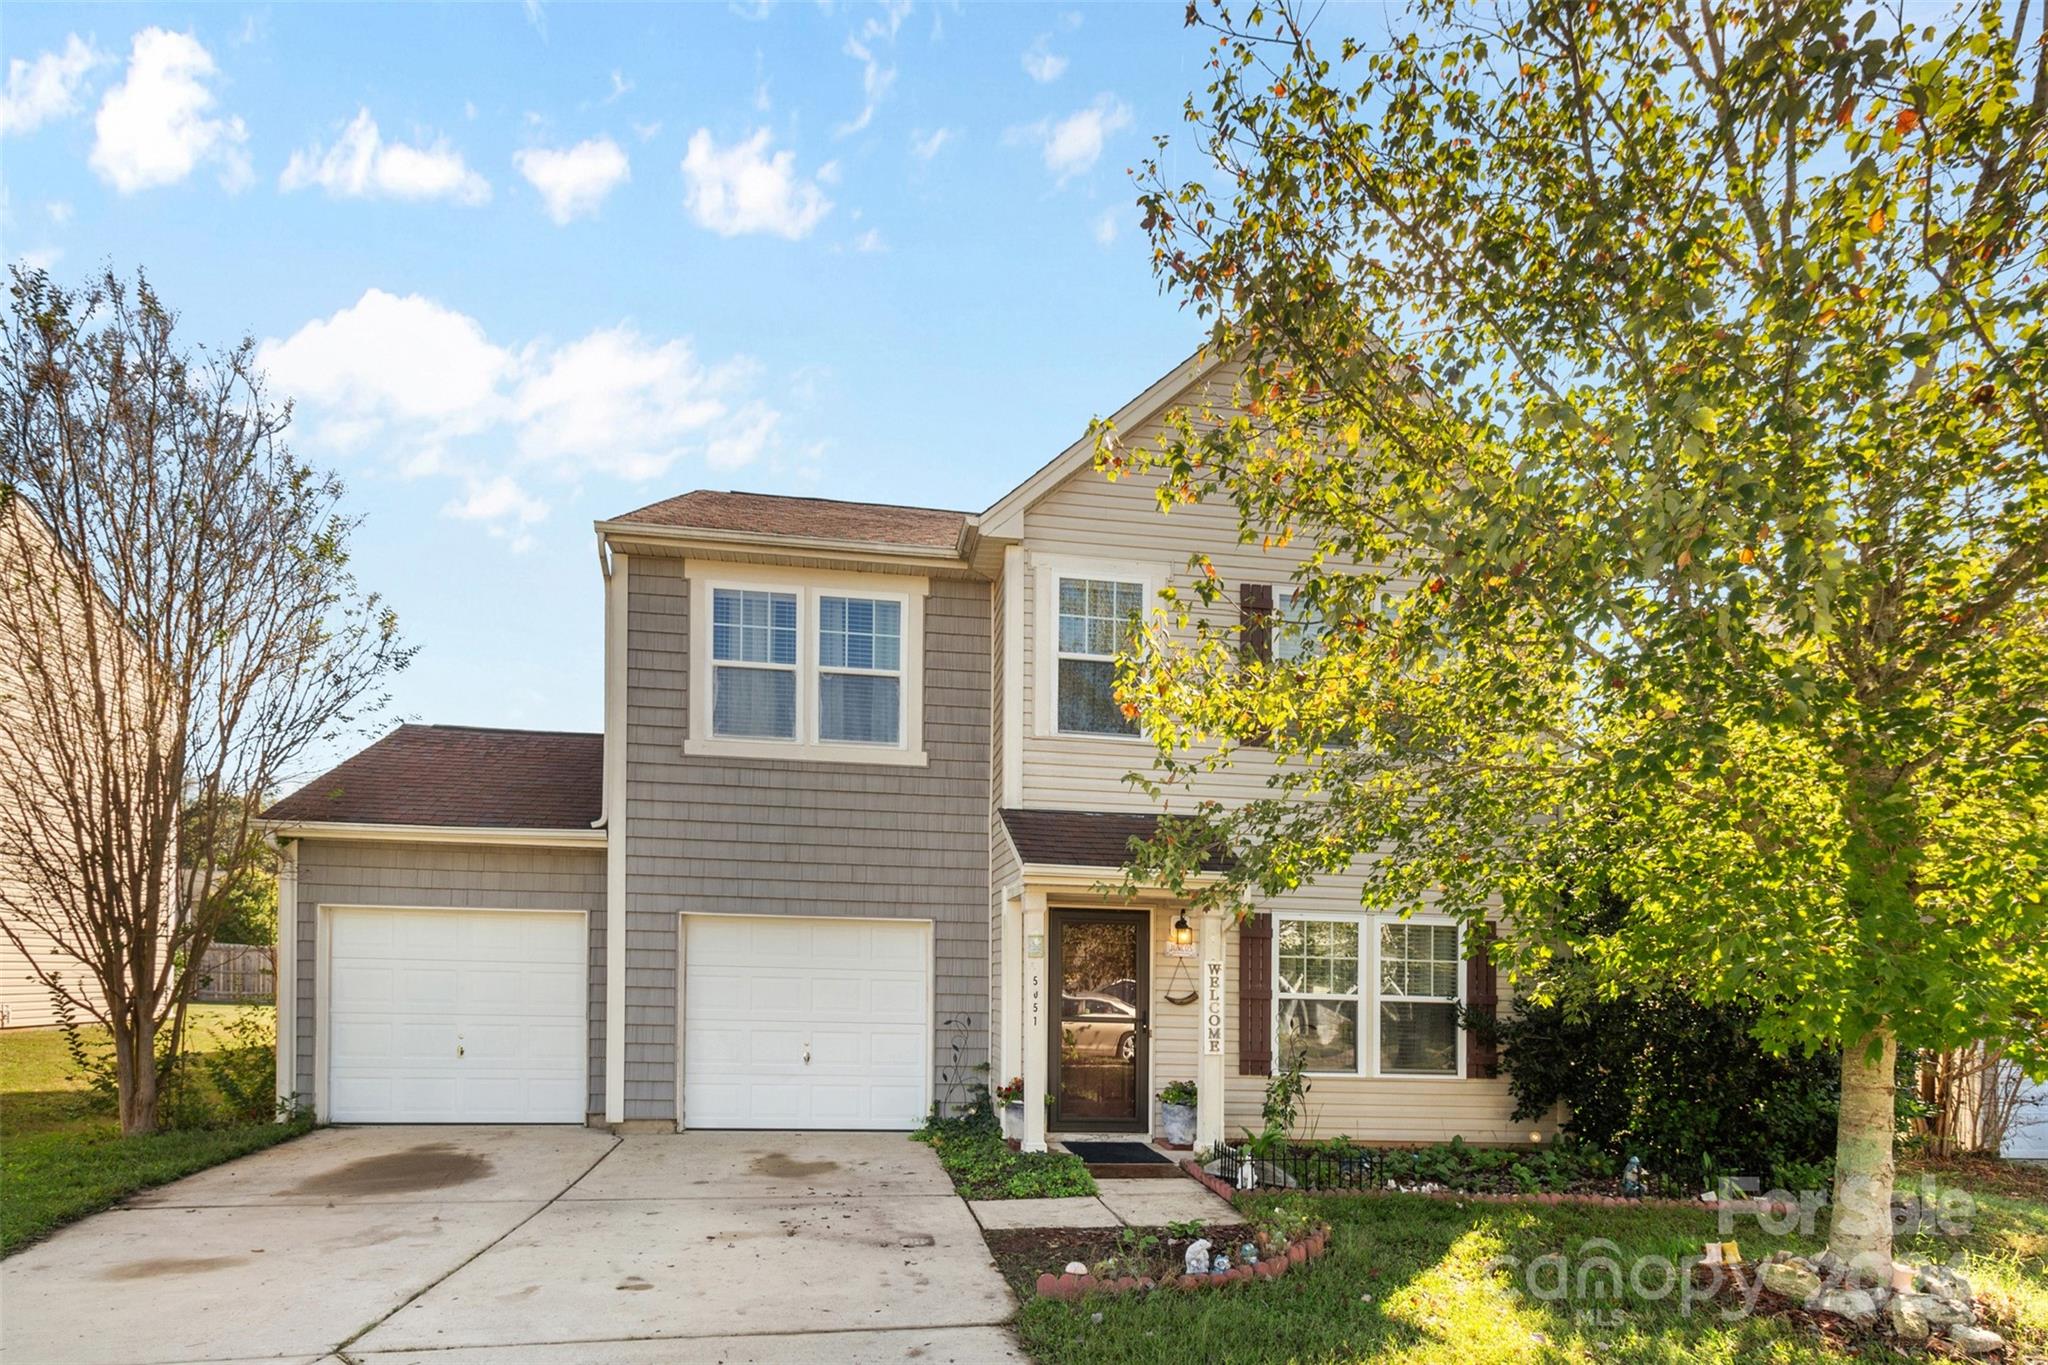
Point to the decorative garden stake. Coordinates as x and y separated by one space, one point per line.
1632 1178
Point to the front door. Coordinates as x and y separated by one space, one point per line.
1100 1031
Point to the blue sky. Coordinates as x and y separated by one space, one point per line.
522 268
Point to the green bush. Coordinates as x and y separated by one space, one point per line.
982 1166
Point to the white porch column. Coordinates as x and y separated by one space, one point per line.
1209 1066
1009 1030
1037 984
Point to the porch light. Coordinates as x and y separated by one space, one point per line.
1183 932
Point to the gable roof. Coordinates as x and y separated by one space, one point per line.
1004 518
782 517
459 776
1086 838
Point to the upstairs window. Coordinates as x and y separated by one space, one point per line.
1096 616
803 665
860 666
1296 625
753 676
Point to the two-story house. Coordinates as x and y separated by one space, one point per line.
841 844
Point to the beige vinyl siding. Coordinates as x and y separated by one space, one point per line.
1370 1110
733 836
24 997
445 876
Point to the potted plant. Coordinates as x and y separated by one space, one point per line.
1177 1113
1010 1102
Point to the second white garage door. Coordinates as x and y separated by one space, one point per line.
455 1016
805 1023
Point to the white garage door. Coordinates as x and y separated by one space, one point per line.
465 1016
805 1023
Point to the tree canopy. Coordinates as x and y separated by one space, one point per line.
1655 391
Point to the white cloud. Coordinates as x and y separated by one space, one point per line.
1075 143
155 127
1042 64
925 146
506 508
870 241
59 211
875 81
1106 227
744 188
432 395
48 87
621 87
362 165
646 132
574 181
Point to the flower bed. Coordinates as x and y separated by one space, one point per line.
1776 1207
983 1166
1131 1259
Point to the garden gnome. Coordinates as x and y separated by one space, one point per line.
1632 1178
1197 1260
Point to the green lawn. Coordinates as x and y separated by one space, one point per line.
1409 1279
62 1155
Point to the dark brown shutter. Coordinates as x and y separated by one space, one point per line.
1255 996
1482 998
1255 611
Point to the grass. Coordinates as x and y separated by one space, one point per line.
62 1155
1413 1280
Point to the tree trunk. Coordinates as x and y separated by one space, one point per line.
135 1070
1862 1223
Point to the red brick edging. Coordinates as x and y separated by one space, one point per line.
1774 1207
1071 1287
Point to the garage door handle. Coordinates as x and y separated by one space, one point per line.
807 1054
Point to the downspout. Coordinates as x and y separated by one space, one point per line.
613 817
286 978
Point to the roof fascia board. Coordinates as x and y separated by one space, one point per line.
687 539
436 834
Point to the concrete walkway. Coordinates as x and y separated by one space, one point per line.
1117 1203
524 1246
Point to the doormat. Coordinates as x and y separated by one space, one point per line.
1116 1153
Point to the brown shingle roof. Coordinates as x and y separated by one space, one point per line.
460 775
1085 838
769 514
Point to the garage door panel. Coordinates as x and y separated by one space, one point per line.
455 1016
855 991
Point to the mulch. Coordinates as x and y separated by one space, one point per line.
1022 1254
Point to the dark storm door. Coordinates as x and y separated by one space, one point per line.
1100 1031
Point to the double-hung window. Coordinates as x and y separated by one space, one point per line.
754 668
1296 625
1096 616
1359 995
860 670
802 665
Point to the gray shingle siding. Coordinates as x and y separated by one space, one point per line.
450 876
755 836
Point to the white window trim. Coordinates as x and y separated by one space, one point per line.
1369 997
1047 665
809 586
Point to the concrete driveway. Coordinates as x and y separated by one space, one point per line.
524 1246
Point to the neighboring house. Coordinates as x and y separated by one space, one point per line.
28 953
838 850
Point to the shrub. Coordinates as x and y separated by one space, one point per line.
982 1166
1684 1086
1178 1092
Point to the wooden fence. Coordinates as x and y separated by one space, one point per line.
232 973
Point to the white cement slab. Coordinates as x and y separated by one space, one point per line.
715 1165
158 1285
705 1267
1155 1203
396 1165
943 1345
1078 1211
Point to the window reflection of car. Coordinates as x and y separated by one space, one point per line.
1095 1023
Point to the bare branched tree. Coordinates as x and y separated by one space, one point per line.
178 623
